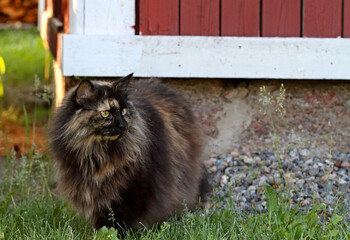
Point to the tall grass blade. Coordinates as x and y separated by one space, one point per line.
26 122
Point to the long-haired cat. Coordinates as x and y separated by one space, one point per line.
127 154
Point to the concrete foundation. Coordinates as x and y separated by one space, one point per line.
233 117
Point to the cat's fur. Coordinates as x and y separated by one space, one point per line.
133 169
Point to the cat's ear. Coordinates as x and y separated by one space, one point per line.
124 82
85 90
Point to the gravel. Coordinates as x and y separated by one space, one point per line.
310 179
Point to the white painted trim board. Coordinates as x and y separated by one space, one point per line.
205 57
102 18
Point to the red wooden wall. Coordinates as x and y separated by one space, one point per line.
250 18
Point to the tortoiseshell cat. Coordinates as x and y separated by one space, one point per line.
128 150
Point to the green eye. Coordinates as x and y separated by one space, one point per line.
124 112
105 114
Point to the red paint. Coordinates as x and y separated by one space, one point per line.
322 18
65 7
346 23
159 17
240 18
200 17
281 18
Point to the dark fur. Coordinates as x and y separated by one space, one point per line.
141 175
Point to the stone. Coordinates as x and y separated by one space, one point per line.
306 202
235 154
251 188
229 171
313 171
262 181
208 163
265 169
309 162
248 160
294 153
257 159
304 152
237 178
300 181
213 169
223 180
274 179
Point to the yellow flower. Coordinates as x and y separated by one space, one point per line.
2 72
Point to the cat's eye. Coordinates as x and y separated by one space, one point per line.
124 112
105 114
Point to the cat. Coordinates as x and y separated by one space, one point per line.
127 153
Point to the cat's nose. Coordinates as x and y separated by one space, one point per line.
123 125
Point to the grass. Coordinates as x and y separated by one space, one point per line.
28 65
24 56
29 209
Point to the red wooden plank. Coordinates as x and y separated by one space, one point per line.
65 9
159 17
200 17
346 23
240 18
322 18
281 18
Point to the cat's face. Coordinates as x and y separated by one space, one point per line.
104 112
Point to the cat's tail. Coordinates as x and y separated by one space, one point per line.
204 186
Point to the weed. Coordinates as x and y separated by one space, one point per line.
270 106
290 223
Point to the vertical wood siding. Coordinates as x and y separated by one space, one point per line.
159 17
346 14
249 18
281 18
200 17
322 18
240 18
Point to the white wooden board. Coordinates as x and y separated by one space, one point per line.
205 57
115 17
76 16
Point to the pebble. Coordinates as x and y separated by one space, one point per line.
235 154
313 171
248 160
251 188
213 169
262 181
301 181
237 178
304 152
242 175
306 202
223 180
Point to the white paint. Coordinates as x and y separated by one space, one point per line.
41 9
99 56
206 57
76 16
110 17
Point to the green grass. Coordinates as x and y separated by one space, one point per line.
28 67
30 210
24 56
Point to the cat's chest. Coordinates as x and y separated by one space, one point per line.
103 172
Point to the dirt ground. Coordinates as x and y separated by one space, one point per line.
14 137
